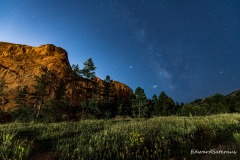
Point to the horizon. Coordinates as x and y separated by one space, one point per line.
190 50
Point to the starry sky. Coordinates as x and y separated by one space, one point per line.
190 49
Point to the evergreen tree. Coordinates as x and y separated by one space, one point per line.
234 103
178 108
121 103
61 102
74 85
45 85
25 111
88 71
90 88
108 88
163 104
107 98
155 105
140 102
166 104
237 106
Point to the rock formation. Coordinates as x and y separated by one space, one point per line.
19 64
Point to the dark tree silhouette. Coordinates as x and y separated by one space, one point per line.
139 102
90 88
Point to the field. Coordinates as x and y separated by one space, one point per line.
155 138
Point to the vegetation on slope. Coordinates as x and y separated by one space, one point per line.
78 96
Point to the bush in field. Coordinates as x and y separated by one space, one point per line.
51 111
189 109
23 114
236 137
90 110
217 108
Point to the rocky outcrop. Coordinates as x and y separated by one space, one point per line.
19 64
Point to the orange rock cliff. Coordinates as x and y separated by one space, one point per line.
20 63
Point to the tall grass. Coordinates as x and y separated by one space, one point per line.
13 148
155 138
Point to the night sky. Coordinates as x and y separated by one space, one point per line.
190 49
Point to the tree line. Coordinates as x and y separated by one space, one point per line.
78 95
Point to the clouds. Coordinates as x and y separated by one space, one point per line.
154 86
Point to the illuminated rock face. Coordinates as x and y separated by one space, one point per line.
19 64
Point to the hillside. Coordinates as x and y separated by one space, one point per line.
19 64
235 93
214 104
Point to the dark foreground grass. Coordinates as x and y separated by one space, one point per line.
156 138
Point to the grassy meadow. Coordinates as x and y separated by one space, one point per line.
170 137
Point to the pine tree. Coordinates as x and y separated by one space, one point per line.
90 88
108 88
88 71
25 111
163 103
76 89
140 102
45 85
106 98
166 104
155 103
